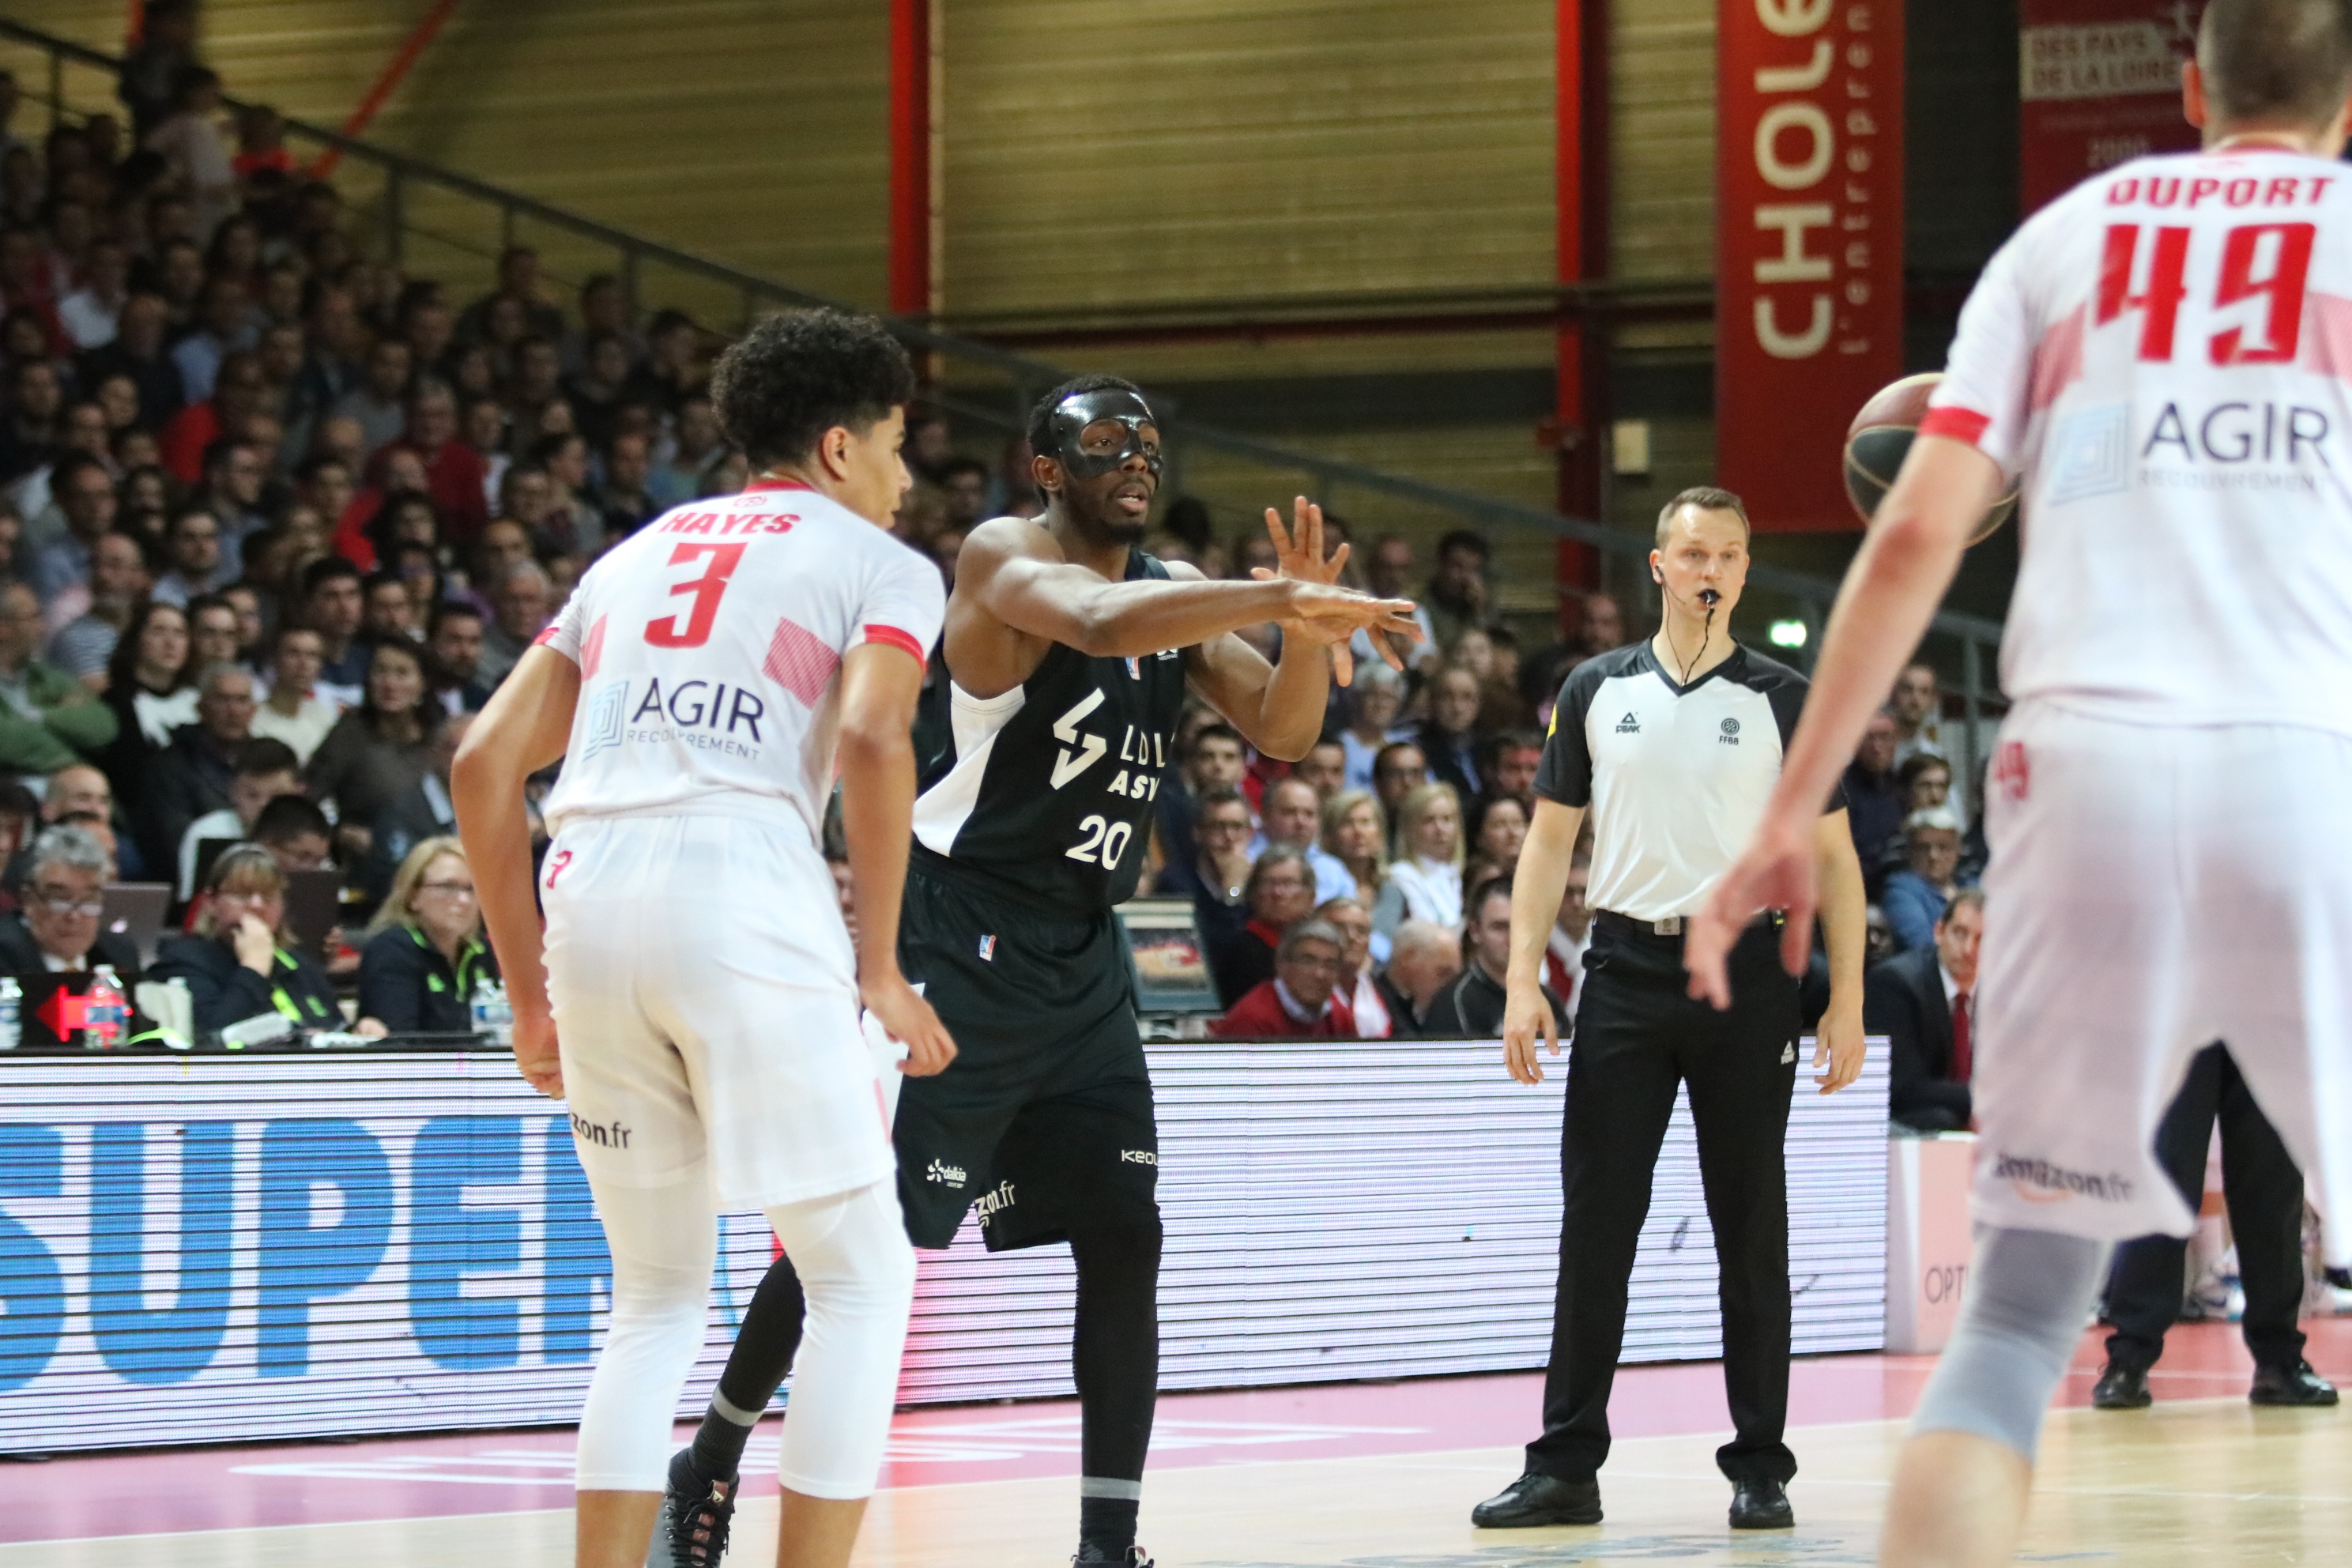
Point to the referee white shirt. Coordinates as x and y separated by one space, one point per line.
1676 776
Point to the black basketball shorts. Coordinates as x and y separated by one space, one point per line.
1043 1120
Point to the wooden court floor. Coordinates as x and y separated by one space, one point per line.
2201 1478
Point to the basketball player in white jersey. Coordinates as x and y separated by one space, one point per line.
696 999
2161 359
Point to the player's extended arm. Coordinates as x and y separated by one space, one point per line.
1280 706
879 685
524 726
1837 1039
1063 602
1536 886
1898 577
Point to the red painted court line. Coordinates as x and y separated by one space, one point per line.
504 1472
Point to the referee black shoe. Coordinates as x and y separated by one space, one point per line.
1534 1500
2295 1384
1762 1504
691 1532
1132 1557
2122 1388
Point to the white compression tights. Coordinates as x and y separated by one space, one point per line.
851 1253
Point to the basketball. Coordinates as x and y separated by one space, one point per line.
1879 439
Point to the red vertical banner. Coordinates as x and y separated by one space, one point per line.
910 157
2098 83
1808 244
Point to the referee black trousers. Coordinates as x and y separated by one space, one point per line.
1638 1036
2264 1191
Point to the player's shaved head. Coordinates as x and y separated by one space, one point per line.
2275 62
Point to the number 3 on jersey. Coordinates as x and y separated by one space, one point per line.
2265 261
707 589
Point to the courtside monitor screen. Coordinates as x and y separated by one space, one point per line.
1171 974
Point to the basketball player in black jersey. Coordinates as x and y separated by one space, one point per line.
1069 652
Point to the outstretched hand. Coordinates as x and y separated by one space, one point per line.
1330 620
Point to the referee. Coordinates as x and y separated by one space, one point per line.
1673 745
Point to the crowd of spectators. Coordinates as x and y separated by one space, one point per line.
276 517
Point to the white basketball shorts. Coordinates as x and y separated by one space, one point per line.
2153 889
704 1000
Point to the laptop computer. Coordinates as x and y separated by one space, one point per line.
314 902
1171 973
135 912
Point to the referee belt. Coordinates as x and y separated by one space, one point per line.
1669 929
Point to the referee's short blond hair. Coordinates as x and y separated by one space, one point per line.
1706 498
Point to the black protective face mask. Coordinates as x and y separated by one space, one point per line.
1080 410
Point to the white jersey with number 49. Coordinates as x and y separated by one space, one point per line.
2162 356
710 645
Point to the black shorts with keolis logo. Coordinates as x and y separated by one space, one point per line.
1043 1121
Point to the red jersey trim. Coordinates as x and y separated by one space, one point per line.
897 638
778 485
544 638
1955 424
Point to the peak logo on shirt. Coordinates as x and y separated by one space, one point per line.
1629 725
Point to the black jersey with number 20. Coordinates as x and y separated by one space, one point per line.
1046 791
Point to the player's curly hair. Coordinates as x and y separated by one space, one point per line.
794 376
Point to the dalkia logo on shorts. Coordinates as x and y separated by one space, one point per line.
945 1175
2055 1183
1137 1157
992 1203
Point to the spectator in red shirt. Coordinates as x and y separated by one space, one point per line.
1302 1000
453 470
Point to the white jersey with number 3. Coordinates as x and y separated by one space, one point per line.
710 645
2162 357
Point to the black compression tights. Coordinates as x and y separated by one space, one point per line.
1113 1358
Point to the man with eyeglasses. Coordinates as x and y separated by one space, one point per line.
1302 1000
57 929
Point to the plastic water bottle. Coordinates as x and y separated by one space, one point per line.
12 1007
493 1014
106 1016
